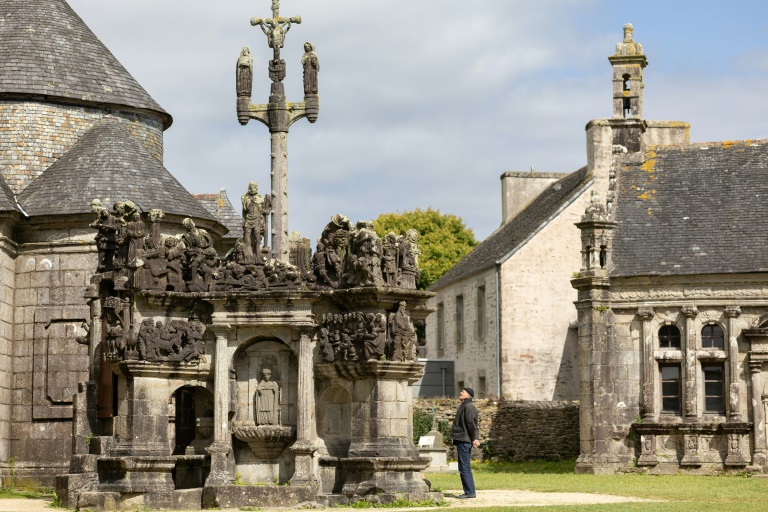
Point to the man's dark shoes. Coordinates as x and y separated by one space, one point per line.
465 496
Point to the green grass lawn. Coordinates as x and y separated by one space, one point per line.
681 493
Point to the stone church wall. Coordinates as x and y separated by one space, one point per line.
7 281
34 135
47 363
517 431
475 356
539 348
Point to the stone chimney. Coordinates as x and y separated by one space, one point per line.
518 189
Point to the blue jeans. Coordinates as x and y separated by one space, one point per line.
467 482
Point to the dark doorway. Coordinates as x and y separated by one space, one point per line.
185 419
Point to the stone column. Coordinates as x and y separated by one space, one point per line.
222 440
280 246
734 413
305 446
648 404
689 353
760 457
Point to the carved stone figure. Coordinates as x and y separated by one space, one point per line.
374 347
409 260
268 393
389 255
403 335
255 214
364 268
106 240
311 68
135 231
116 327
245 73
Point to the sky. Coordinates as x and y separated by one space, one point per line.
425 103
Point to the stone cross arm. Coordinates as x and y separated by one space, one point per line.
293 112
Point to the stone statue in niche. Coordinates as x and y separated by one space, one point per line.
267 400
256 209
311 68
402 334
245 73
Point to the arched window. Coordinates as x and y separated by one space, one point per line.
669 337
712 337
626 82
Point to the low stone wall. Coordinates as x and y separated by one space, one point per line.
517 431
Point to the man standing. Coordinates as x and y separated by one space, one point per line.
465 435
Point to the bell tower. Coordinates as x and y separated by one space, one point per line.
628 63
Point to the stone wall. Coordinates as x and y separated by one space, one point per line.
34 135
7 283
539 339
47 363
475 356
517 431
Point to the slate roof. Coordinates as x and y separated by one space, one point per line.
107 162
693 209
7 199
222 210
516 231
47 50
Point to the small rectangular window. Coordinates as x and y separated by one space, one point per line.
459 319
714 388
440 327
671 390
480 313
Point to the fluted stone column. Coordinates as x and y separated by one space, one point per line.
760 457
731 313
222 440
649 363
305 446
689 353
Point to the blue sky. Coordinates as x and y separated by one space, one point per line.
427 102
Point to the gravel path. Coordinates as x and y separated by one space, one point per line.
484 499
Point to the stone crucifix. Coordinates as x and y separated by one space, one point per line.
278 115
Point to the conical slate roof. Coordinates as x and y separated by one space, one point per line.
47 50
108 162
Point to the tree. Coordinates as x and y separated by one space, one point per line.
444 239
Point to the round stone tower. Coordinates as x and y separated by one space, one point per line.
56 81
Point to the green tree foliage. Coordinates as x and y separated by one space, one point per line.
444 239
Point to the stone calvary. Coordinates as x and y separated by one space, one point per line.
263 375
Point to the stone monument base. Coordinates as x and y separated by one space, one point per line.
339 500
237 496
384 475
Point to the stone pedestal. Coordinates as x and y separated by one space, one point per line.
382 458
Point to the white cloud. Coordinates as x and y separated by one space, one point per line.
424 102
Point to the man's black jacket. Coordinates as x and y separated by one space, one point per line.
464 426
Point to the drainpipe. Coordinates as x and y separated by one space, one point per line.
498 330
